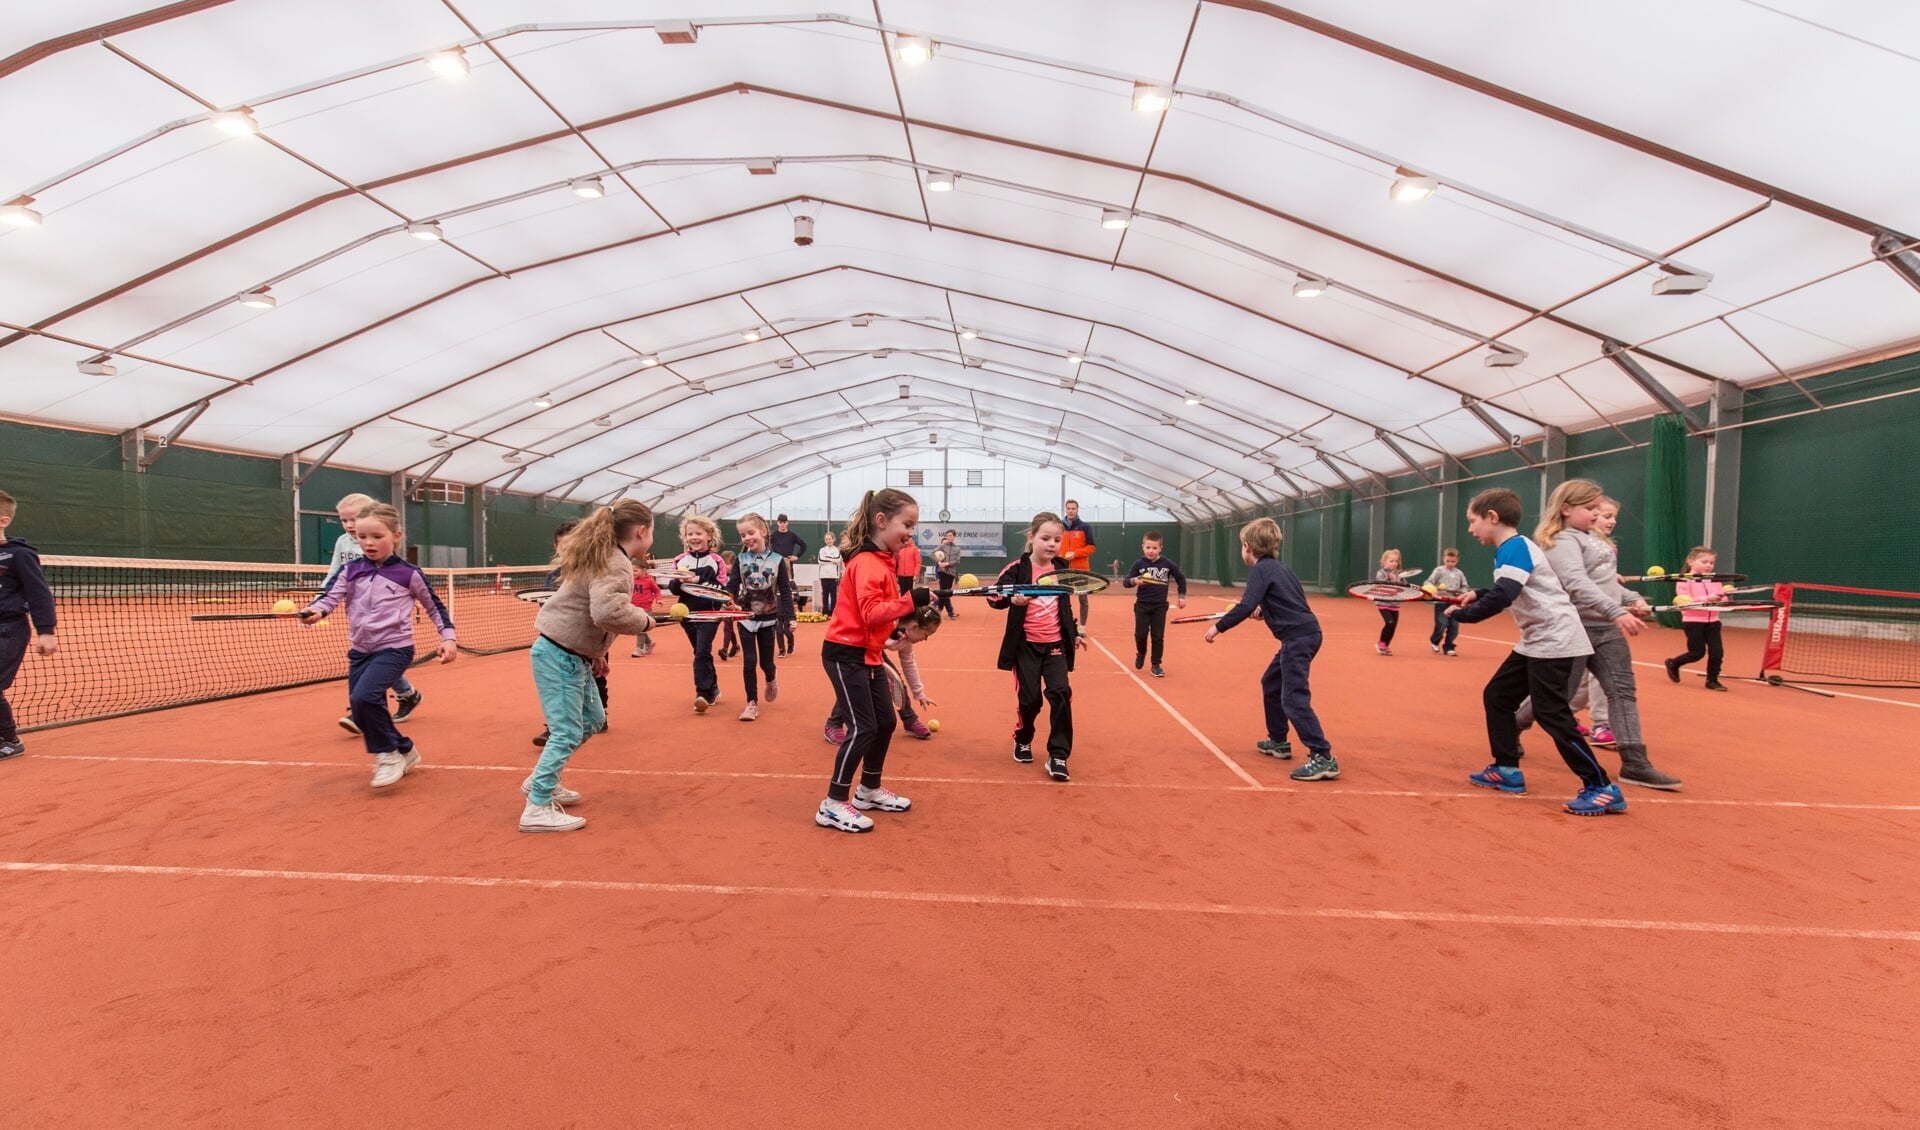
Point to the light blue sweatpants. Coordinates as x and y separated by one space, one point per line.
572 707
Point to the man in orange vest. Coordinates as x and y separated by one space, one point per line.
1077 547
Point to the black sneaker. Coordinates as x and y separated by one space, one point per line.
1023 753
1057 768
1673 670
407 704
11 747
1158 673
541 739
1139 660
1716 685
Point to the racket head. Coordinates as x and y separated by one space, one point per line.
704 591
1723 578
1382 592
1409 574
1077 581
535 596
1201 618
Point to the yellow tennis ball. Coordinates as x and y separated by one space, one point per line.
969 581
933 724
1656 571
1683 599
1049 579
283 606
325 624
1430 589
678 612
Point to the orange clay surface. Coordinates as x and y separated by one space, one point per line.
211 920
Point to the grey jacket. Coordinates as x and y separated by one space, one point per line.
1590 573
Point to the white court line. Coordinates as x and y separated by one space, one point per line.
961 899
1229 762
1020 782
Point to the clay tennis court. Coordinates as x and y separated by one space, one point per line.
212 920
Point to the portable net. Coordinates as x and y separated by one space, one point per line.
1834 636
128 642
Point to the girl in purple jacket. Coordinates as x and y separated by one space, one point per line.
380 591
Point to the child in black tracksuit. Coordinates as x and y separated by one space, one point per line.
25 599
1038 646
1274 593
1150 575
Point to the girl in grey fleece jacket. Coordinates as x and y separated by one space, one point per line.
577 625
1586 567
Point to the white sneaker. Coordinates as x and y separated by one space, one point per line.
346 724
884 799
560 792
839 814
700 704
751 712
549 817
773 690
389 767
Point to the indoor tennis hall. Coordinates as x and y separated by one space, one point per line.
1194 426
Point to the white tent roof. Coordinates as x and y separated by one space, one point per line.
1574 161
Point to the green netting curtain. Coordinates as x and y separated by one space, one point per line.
1342 545
1667 505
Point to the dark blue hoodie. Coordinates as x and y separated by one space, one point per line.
23 587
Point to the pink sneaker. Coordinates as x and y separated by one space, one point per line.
836 733
919 729
1382 648
1602 736
1582 727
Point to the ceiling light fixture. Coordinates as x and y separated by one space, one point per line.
543 401
677 32
939 182
587 188
968 335
1503 356
451 63
785 363
238 121
763 167
1192 400
1310 288
750 335
101 366
1074 359
1676 281
443 440
513 457
259 298
1411 186
649 360
20 213
912 50
1113 219
862 321
1151 97
605 422
905 391
426 230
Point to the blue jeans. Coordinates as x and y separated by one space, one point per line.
571 704
1287 696
1444 624
369 676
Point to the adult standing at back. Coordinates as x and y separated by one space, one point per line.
786 543
1076 545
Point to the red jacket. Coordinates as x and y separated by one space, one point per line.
869 604
907 563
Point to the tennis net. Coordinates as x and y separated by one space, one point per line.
129 643
1847 637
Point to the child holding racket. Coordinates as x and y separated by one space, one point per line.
379 591
346 549
1273 593
552 581
1701 625
1038 645
758 583
1388 573
1551 648
577 625
703 563
1151 574
1446 581
869 608
916 628
25 600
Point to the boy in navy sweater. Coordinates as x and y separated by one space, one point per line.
1274 594
1151 574
24 599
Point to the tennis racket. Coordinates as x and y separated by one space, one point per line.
1383 593
535 596
1723 578
716 616
1709 606
1199 618
1409 574
704 591
223 616
1077 582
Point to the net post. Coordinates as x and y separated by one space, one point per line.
1773 654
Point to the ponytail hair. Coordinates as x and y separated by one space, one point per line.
1573 492
583 552
925 618
383 514
873 503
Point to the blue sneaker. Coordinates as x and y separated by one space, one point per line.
1281 750
1319 767
1598 802
1497 776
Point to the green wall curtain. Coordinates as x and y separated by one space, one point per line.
1666 540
